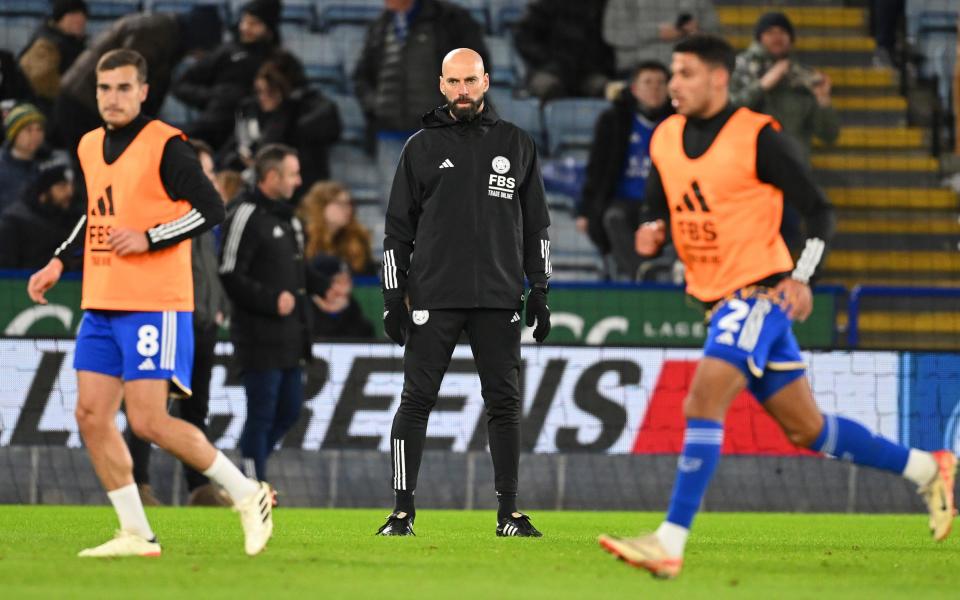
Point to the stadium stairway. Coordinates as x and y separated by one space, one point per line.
896 224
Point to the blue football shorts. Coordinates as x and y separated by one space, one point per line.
751 331
137 345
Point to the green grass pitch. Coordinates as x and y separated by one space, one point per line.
324 554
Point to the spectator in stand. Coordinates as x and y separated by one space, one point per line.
230 184
396 77
338 314
284 110
164 40
618 166
642 30
53 48
768 79
885 18
565 54
217 82
332 228
22 153
337 247
32 228
14 87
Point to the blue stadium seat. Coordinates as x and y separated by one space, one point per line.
504 14
183 6
522 112
569 123
351 116
108 10
935 30
321 58
175 112
503 68
351 165
354 12
15 32
348 41
478 10
23 8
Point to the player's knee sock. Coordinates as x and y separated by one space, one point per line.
701 453
129 509
848 440
227 474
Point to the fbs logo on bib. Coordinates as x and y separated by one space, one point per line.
499 185
420 316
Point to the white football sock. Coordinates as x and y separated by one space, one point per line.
225 473
126 502
673 538
921 467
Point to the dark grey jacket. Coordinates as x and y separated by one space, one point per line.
208 295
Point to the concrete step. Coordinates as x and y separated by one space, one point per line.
901 261
870 241
894 198
828 17
921 226
834 169
873 137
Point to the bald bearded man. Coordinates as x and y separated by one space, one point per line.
469 196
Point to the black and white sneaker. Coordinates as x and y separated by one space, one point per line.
517 525
398 523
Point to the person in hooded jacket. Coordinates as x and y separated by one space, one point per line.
285 110
619 163
163 39
31 229
468 195
217 82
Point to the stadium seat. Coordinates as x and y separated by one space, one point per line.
184 6
503 68
321 58
355 12
569 123
477 10
23 8
347 41
936 40
15 32
522 112
504 14
355 168
108 10
351 116
175 112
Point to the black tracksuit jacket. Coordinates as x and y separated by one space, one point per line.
467 216
262 255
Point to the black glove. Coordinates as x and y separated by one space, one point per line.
538 310
396 320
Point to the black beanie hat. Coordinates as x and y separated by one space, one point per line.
267 11
201 27
59 8
773 19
